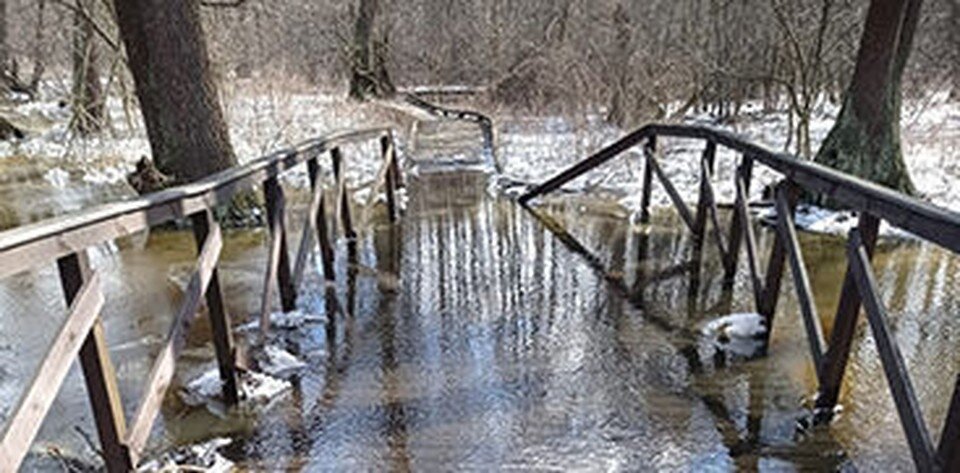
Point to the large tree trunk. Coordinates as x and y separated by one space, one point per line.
168 57
88 103
368 71
865 140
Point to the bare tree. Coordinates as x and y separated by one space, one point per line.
865 140
4 48
955 46
167 54
88 106
369 75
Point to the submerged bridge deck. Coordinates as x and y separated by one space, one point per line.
464 331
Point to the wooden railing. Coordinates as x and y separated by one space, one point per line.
67 240
482 121
873 205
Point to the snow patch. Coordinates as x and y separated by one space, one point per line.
286 320
57 177
257 388
279 363
737 336
203 457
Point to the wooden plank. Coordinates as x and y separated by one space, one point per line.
23 425
715 221
700 222
320 219
164 365
276 208
343 197
649 150
948 453
306 236
273 264
98 372
744 173
844 324
389 159
894 367
30 245
203 225
801 282
675 197
777 262
743 216
594 161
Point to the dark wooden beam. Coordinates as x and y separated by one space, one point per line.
894 367
164 366
98 372
203 225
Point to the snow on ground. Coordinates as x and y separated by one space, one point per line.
264 117
532 150
255 388
261 118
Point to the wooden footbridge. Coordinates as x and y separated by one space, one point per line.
67 240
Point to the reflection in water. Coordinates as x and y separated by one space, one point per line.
474 336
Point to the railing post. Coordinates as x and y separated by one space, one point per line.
344 204
203 222
745 173
948 453
703 205
650 150
388 154
276 206
395 164
767 305
98 372
844 325
323 233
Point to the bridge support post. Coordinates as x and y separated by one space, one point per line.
703 204
786 198
844 324
343 207
948 453
649 150
745 174
323 233
98 372
203 222
276 206
389 155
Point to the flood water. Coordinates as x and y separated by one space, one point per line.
471 337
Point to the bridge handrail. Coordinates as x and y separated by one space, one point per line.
81 336
49 239
921 218
860 288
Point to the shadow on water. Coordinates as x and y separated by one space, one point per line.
474 335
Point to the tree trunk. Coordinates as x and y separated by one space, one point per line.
865 140
167 53
955 39
619 113
368 69
88 103
4 51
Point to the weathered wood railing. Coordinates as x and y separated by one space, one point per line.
67 240
873 205
483 121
